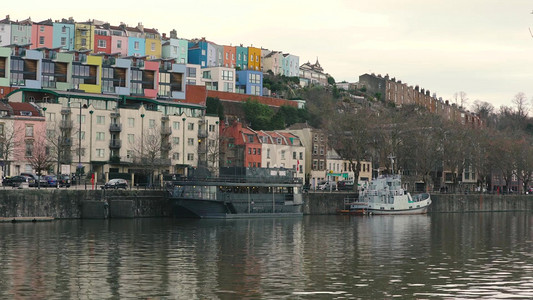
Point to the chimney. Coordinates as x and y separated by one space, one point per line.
140 26
173 34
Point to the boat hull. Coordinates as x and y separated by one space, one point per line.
412 211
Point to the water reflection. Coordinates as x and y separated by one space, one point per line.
445 255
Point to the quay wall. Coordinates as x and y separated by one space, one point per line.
75 204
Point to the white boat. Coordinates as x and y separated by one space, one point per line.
385 196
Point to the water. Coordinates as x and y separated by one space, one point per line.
483 255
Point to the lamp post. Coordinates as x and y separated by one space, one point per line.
78 169
91 142
142 135
183 147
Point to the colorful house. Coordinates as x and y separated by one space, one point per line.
42 34
84 36
102 39
229 57
64 35
152 43
242 57
175 48
119 40
136 41
254 58
290 65
249 82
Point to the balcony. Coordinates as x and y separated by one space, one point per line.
65 143
165 146
138 64
166 130
115 127
50 55
65 110
115 144
115 114
65 124
202 134
109 61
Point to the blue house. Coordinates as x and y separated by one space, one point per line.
249 82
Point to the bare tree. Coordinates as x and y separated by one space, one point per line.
148 153
40 158
460 99
7 145
351 136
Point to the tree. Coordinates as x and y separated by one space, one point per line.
40 158
147 155
350 136
523 157
7 145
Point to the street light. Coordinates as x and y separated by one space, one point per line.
78 169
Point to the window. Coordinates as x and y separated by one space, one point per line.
176 125
301 155
190 156
190 126
82 135
29 148
268 153
227 75
102 43
81 119
249 150
131 122
175 140
136 45
190 141
153 47
293 155
63 41
151 123
100 136
211 128
206 75
282 154
175 156
41 40
84 42
100 120
29 130
100 152
131 138
250 138
119 44
191 72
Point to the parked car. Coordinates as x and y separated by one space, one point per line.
117 183
326 185
15 181
37 180
51 180
64 180
345 185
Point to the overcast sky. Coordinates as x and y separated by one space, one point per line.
481 47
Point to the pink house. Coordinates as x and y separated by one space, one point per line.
119 40
29 139
42 34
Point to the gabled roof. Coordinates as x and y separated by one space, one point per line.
19 109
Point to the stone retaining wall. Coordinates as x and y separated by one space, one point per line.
75 204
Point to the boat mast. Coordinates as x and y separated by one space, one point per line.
392 157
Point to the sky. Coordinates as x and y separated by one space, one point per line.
481 47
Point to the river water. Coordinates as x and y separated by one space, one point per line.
476 255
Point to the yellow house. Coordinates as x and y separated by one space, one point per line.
84 37
95 79
254 59
153 43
